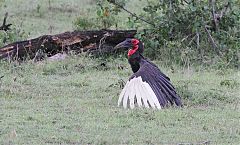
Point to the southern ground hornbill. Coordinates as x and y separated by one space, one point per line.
148 86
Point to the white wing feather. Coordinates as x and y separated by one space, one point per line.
132 93
138 94
127 93
148 96
143 96
152 96
122 93
142 91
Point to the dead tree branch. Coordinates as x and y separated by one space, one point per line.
223 11
212 5
134 15
5 27
211 38
94 42
217 16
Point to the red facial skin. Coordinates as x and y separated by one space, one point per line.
135 47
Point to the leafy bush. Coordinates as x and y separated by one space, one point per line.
105 16
184 32
12 35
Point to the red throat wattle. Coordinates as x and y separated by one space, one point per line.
135 47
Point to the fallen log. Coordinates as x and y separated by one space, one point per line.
94 42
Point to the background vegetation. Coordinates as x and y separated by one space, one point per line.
73 101
185 32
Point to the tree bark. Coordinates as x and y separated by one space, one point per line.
95 42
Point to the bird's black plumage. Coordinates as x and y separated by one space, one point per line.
151 80
158 81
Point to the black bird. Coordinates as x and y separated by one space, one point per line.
148 86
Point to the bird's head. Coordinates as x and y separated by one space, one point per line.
135 46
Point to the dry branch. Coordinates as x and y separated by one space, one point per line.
5 27
215 46
95 42
217 15
131 13
212 4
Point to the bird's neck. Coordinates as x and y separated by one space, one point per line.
136 62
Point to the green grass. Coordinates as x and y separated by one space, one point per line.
75 102
36 17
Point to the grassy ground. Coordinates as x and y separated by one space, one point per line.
38 17
75 102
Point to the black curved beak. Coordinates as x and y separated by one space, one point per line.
125 44
121 45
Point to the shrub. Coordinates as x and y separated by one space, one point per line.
204 32
185 32
12 35
105 16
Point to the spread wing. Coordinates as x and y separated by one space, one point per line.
149 87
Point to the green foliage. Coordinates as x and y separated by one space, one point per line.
12 35
84 23
180 34
230 83
105 18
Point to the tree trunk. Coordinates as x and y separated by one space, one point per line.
95 42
